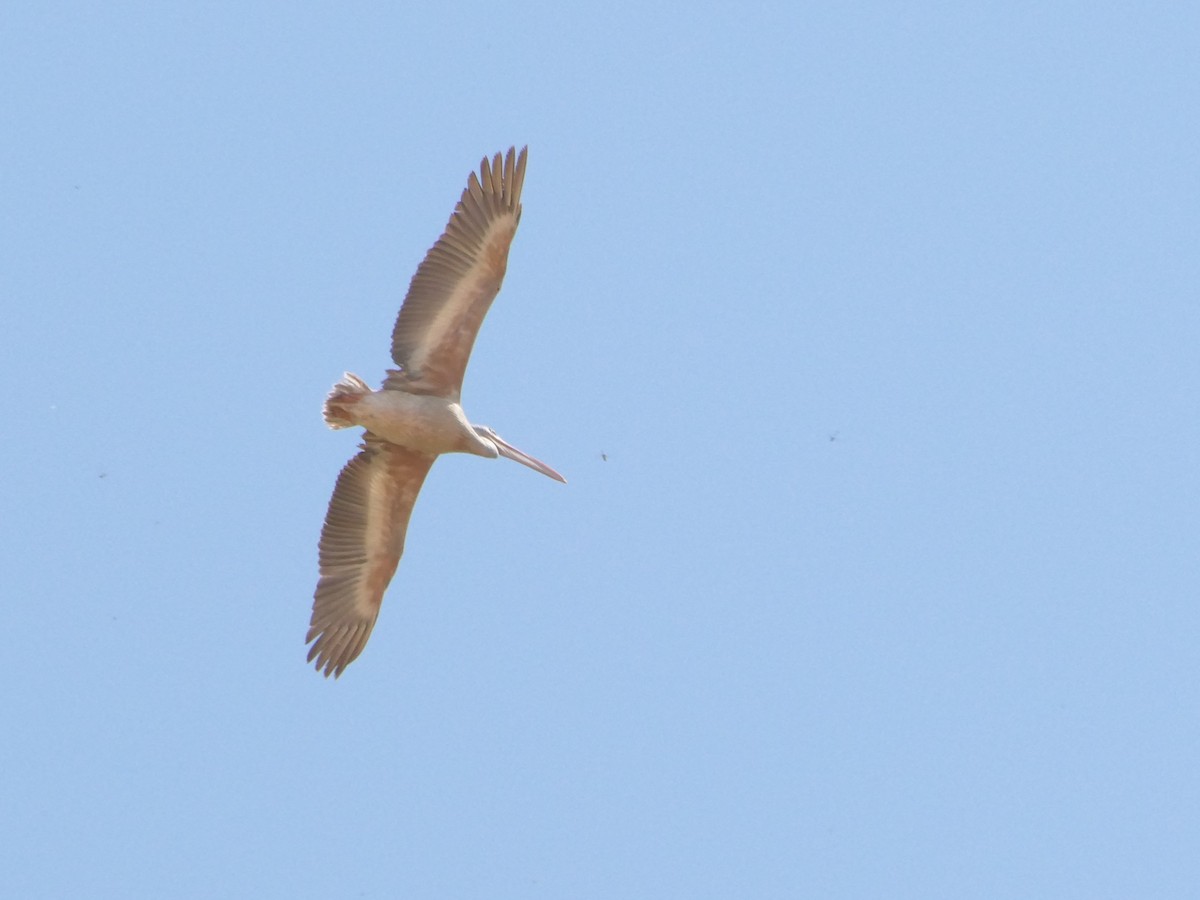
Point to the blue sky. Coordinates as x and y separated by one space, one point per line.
866 335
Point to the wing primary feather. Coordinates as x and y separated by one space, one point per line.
508 176
485 177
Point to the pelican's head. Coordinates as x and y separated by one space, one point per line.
508 451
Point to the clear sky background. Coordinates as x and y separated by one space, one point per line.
867 335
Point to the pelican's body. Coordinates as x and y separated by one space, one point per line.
430 424
416 416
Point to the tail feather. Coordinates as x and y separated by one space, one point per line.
341 400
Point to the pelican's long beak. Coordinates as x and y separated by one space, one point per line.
508 451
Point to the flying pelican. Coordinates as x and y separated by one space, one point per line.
415 416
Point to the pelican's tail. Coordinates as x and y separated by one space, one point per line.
340 403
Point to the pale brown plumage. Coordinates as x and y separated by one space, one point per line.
361 544
415 416
456 283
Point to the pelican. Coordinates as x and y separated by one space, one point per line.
415 416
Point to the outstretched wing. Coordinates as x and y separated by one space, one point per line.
457 281
360 548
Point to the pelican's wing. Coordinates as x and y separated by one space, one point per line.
360 547
457 281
